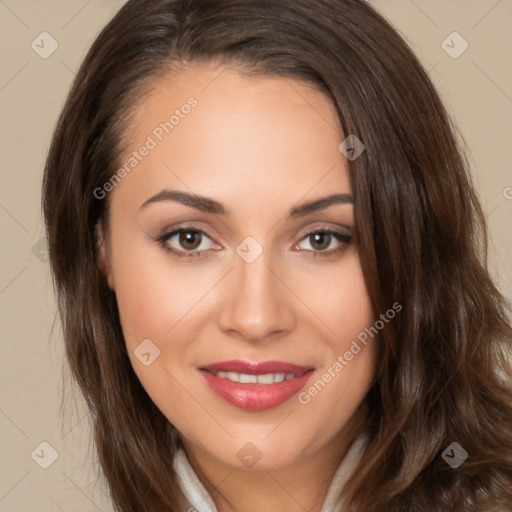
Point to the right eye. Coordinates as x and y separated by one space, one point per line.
185 242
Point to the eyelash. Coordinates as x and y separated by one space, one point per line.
162 240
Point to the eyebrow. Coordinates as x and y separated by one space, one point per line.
208 205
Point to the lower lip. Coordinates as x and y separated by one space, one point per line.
255 397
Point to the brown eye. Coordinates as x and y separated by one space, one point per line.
324 242
320 240
186 243
190 240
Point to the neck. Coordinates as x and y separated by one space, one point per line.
300 486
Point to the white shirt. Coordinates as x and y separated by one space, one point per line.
201 501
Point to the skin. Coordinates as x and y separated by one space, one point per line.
260 146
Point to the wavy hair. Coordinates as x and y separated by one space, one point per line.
443 371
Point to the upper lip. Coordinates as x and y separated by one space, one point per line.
255 368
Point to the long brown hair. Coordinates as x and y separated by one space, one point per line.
443 375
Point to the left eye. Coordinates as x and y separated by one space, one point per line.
323 240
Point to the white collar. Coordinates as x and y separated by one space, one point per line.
201 500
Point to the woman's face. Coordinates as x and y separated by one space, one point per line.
238 325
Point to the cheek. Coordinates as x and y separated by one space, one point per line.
347 369
156 302
155 294
338 296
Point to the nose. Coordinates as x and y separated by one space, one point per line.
257 305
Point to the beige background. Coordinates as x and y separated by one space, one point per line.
476 86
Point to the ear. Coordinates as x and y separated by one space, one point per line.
103 255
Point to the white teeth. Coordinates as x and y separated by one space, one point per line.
266 379
244 378
235 377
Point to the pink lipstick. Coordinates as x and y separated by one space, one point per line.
255 386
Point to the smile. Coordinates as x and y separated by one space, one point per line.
255 386
244 378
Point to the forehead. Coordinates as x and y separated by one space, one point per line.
215 127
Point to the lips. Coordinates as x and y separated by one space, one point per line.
255 386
